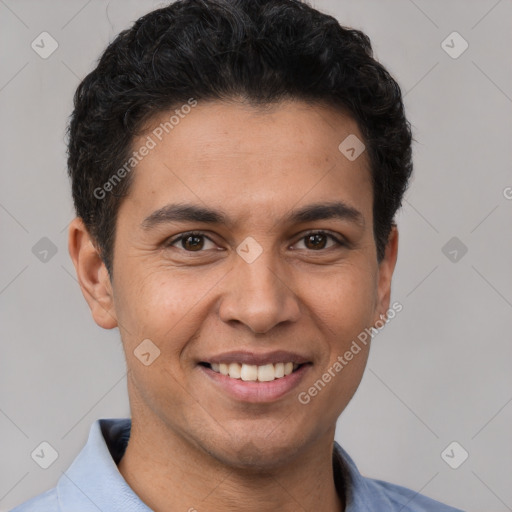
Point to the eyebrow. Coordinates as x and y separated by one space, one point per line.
193 213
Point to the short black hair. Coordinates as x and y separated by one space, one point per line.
263 51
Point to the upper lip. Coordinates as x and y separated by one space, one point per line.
253 358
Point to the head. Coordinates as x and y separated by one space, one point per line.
234 112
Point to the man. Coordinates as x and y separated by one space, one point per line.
236 168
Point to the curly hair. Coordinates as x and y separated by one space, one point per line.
264 51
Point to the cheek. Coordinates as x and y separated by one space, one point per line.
344 300
163 305
344 307
160 306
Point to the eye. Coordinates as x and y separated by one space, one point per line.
316 240
192 241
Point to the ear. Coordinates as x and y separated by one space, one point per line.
92 275
385 271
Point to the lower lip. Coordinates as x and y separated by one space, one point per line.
255 391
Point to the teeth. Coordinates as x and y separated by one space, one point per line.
248 371
234 371
266 373
251 372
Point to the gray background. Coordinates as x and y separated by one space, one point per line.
439 372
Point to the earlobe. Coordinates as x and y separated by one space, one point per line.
92 275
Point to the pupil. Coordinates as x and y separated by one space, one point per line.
196 244
315 237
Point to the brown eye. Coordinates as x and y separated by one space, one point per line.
190 242
317 240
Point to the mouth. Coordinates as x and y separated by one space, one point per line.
255 384
254 373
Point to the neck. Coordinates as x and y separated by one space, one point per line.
162 468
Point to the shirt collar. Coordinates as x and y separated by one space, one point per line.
94 471
361 493
83 485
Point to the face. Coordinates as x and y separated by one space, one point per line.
268 268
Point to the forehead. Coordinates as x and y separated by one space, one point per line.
249 159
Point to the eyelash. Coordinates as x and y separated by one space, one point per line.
339 242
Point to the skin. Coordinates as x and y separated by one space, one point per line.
191 445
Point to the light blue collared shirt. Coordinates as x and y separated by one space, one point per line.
93 483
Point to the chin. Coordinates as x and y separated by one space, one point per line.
255 454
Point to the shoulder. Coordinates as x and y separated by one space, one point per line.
45 502
407 500
373 495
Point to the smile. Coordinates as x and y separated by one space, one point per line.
250 372
277 379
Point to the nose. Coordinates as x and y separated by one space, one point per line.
258 295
